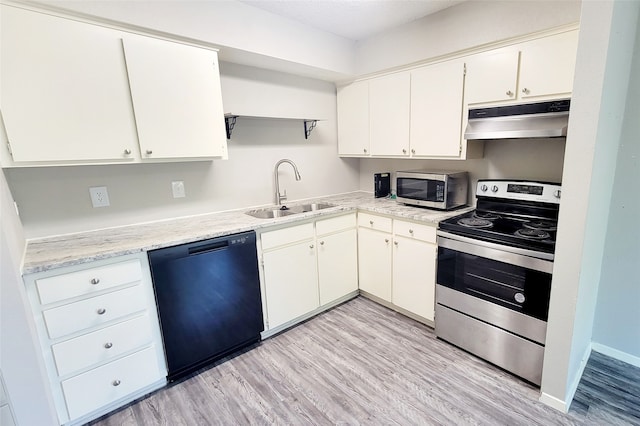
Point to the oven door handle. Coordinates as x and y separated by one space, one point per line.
516 256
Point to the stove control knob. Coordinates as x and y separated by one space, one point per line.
484 188
494 188
557 193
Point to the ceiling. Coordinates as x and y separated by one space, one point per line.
352 19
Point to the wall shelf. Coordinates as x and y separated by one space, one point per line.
231 119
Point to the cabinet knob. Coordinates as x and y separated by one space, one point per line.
411 231
101 311
365 150
310 246
370 222
149 152
509 93
386 240
525 91
95 281
108 345
395 243
116 382
413 151
321 243
127 151
404 151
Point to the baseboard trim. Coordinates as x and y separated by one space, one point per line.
553 402
559 404
616 354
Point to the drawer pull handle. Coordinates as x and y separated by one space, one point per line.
101 311
116 382
95 281
108 345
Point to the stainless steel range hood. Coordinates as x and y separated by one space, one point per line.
535 120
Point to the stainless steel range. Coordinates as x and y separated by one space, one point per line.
494 274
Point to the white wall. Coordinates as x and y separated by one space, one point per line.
20 360
535 159
467 25
599 95
617 319
56 200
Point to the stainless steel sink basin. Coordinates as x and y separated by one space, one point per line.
268 213
272 212
303 208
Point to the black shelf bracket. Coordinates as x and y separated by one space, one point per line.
230 123
309 125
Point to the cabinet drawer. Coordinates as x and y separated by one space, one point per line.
371 221
414 230
101 345
335 224
89 281
86 313
108 383
285 236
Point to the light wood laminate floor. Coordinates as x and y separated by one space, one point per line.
359 363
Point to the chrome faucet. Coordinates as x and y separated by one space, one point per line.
282 197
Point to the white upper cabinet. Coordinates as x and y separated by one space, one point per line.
78 93
389 103
540 69
176 99
436 110
492 77
353 119
547 66
65 95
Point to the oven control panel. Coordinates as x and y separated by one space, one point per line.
541 192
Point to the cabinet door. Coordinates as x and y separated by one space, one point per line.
436 110
337 265
176 99
389 103
547 66
353 119
291 282
374 262
414 275
491 77
65 95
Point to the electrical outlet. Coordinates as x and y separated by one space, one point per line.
99 196
177 186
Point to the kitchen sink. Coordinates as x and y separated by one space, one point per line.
272 212
268 213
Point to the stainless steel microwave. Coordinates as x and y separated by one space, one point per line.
442 190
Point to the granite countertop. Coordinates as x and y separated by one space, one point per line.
43 254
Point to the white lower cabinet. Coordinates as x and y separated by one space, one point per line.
291 281
99 334
306 267
397 263
98 387
374 260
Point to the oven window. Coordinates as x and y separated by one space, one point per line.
420 189
514 287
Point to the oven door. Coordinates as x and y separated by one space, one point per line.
509 290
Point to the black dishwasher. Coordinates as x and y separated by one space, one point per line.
208 297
